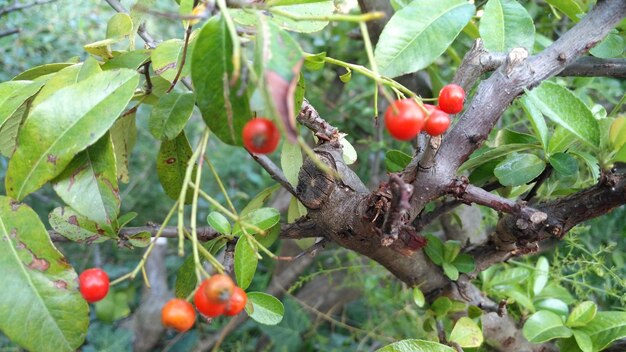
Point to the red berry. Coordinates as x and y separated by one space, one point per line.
93 284
437 123
451 98
219 288
206 307
178 314
404 119
236 303
261 136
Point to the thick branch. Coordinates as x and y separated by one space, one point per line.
495 94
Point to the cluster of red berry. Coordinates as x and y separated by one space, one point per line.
405 119
217 295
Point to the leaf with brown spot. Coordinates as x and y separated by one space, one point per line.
75 227
225 108
172 164
124 136
34 270
89 185
65 124
278 60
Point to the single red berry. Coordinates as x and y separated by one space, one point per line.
204 306
237 302
261 136
437 123
451 99
404 119
219 288
93 284
178 314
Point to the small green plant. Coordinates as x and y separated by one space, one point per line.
448 255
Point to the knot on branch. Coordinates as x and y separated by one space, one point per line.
310 118
516 58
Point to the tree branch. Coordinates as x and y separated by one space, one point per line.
19 7
9 32
310 118
274 171
141 31
496 93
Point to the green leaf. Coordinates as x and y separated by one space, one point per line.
277 62
40 283
120 25
621 155
434 249
123 136
42 70
508 276
259 199
13 94
171 114
519 169
605 328
582 314
396 161
506 25
414 345
167 57
570 8
102 48
263 218
583 340
314 62
560 141
493 154
171 166
223 109
537 121
544 326
441 306
75 227
466 333
417 34
68 122
617 132
451 271
554 305
611 46
10 129
295 210
566 109
418 297
349 155
541 275
218 222
291 162
59 80
519 296
302 8
592 163
131 59
140 240
450 250
564 163
89 184
464 263
270 236
126 218
264 308
246 261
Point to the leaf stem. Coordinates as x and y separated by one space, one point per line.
362 18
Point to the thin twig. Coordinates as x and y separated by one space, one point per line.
182 60
274 171
19 7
